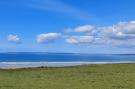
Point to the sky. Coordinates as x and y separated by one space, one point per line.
69 26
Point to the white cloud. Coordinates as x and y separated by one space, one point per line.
120 31
14 38
79 39
44 38
115 35
121 34
85 28
126 27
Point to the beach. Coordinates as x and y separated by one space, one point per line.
16 65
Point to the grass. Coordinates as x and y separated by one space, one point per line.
107 76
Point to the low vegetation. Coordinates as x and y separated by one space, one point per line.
107 76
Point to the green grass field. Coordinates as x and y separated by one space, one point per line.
108 76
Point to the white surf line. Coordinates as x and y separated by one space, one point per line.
51 64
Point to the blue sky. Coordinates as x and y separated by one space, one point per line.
80 26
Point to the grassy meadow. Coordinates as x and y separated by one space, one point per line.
102 76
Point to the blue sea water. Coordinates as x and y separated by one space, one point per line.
30 59
64 57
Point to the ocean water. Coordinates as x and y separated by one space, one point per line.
60 59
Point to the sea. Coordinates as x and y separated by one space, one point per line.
37 59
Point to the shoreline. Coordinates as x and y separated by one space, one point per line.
19 65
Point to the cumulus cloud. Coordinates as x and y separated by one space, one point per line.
120 34
120 31
126 27
79 39
85 28
45 38
14 39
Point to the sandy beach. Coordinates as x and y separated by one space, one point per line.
16 65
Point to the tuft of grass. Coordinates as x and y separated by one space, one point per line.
102 76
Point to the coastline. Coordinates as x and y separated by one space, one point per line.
18 65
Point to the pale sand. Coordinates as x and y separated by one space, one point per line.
16 65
